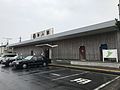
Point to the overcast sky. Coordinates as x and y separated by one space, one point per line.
24 17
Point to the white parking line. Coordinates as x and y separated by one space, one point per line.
68 76
35 72
105 84
55 74
50 71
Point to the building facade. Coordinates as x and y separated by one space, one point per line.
83 44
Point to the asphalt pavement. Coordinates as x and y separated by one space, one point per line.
56 78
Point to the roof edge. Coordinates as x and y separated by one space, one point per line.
70 32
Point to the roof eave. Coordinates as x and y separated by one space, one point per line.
93 29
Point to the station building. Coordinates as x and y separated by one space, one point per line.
81 44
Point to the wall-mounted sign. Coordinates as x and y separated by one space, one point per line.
43 33
110 53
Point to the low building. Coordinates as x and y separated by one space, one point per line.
2 49
79 44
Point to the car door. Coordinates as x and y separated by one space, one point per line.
27 60
31 61
34 60
40 60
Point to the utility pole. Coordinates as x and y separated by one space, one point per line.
7 40
20 39
118 20
119 9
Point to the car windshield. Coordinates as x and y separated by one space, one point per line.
28 57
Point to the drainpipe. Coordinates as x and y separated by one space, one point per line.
50 53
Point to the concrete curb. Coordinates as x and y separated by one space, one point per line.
112 71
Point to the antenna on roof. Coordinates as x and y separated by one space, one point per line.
7 40
20 39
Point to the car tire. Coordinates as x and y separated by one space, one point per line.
24 66
44 64
10 64
7 65
14 66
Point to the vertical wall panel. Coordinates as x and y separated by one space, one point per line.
69 48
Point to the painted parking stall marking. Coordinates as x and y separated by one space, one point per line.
81 81
55 74
68 76
48 74
105 84
65 77
40 72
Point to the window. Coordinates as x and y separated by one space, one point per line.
48 32
31 52
34 58
34 36
28 57
38 35
42 34
40 58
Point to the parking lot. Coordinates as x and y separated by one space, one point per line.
55 78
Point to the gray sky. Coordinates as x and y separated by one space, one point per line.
24 17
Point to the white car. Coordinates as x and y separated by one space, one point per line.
7 58
2 58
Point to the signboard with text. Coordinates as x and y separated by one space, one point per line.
110 53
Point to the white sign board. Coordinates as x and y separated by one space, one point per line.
111 53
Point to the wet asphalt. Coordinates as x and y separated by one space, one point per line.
52 78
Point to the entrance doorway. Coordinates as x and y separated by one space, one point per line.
82 52
102 46
46 53
31 52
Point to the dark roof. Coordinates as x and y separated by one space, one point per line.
88 30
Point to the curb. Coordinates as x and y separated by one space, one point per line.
113 71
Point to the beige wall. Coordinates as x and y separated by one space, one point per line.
26 50
69 48
2 50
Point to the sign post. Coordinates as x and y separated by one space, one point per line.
111 53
